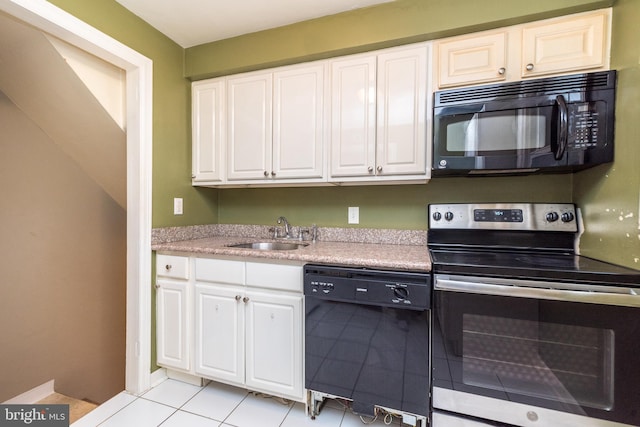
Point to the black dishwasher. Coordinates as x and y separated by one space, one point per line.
367 340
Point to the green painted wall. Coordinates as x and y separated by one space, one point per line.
610 195
171 111
392 206
389 24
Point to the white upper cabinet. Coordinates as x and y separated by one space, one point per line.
469 60
401 144
563 45
275 123
353 116
379 116
566 44
208 123
249 121
298 122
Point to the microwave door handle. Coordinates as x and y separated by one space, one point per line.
563 132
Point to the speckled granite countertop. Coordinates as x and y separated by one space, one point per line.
387 249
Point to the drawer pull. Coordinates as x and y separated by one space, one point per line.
168 267
501 71
238 297
245 299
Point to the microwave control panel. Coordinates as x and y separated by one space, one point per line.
584 124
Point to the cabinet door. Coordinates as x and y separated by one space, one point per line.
402 109
298 122
471 60
274 344
249 118
172 323
219 332
208 142
353 116
565 44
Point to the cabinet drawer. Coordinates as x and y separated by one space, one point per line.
274 276
176 267
220 271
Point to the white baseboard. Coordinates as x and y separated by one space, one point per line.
186 378
157 377
34 395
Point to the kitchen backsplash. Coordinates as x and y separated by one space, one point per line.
330 234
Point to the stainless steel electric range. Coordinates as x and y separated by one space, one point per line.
526 332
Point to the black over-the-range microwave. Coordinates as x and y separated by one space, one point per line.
557 124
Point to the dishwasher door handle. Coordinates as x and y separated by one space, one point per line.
595 294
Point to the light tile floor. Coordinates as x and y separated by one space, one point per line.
176 404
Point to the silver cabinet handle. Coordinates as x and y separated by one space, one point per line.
157 286
245 299
238 297
266 173
502 70
379 168
529 67
168 267
370 169
193 177
273 173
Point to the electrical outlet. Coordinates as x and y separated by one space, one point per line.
354 215
177 206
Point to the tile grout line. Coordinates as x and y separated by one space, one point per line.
233 410
195 413
119 410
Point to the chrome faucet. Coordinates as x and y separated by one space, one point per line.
287 227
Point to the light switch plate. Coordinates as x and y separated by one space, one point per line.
354 215
177 206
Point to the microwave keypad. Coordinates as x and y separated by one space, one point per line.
585 128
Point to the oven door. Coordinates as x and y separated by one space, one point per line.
538 354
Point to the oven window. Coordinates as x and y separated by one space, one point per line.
494 131
565 363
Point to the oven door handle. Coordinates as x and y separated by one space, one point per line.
595 294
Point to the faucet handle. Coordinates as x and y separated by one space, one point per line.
301 232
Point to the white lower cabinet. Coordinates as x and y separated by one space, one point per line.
273 334
219 332
247 322
172 311
172 339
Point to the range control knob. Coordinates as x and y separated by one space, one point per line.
437 216
448 216
552 216
567 217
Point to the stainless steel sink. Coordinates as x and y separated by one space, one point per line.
270 246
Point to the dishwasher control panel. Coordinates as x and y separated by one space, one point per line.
410 290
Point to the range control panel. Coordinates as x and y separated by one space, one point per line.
504 216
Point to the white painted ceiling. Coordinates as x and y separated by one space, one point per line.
193 22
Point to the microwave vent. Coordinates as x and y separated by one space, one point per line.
547 86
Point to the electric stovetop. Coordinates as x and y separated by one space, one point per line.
516 240
531 265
